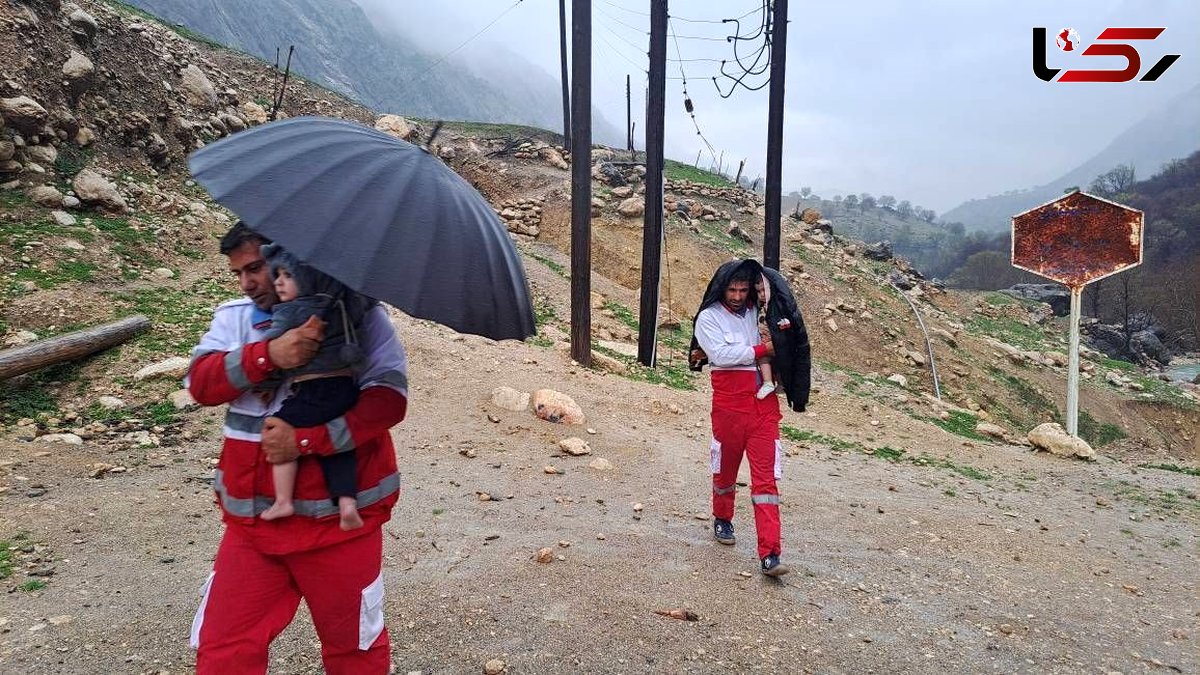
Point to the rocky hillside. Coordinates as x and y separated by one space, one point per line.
101 221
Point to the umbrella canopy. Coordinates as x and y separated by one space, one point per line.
378 214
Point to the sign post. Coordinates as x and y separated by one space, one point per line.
1075 240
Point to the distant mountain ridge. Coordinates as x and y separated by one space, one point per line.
1171 132
338 46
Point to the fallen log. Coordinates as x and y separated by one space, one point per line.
69 346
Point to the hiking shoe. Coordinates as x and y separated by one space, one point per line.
723 531
772 567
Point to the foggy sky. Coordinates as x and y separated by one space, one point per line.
933 101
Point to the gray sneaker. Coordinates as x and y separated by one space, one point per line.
723 531
772 567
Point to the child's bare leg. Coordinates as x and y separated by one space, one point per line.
284 477
348 508
768 385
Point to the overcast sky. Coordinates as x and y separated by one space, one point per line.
933 101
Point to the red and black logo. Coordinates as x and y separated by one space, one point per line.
1110 42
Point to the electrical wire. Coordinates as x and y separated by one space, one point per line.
687 99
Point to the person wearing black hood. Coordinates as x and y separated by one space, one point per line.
726 336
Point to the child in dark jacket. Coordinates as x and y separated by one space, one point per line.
324 388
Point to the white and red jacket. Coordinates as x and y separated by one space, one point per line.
731 341
230 360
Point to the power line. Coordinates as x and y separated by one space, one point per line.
623 39
610 16
687 100
641 67
626 9
680 18
420 76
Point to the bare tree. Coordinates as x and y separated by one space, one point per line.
1115 182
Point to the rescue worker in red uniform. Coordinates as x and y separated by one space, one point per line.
726 329
264 568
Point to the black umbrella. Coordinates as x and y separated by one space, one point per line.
378 214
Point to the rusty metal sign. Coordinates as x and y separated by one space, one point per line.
1077 239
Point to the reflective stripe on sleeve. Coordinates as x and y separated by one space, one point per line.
724 491
233 370
339 435
310 508
765 499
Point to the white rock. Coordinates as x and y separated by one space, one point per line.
110 402
78 70
69 439
394 125
67 220
174 368
632 207
600 464
163 273
989 429
21 337
898 379
510 399
42 154
44 195
1053 438
197 89
23 112
575 446
92 187
182 400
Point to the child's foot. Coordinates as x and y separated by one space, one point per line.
349 512
765 390
278 510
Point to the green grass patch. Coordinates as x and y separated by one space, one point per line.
1172 543
719 235
885 452
491 130
179 29
961 423
1189 470
6 559
1008 330
32 585
1118 364
1156 391
557 268
1174 501
64 272
675 374
1034 403
36 398
673 170
71 159
1000 299
623 314
1095 433
178 318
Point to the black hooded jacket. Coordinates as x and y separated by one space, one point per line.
792 362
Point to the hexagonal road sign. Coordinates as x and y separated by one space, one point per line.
1077 239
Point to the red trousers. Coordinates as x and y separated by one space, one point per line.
744 425
251 597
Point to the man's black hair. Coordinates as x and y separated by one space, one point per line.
240 234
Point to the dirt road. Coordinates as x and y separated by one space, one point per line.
981 558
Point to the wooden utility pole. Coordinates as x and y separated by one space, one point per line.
70 346
581 181
652 230
775 136
566 86
628 120
741 165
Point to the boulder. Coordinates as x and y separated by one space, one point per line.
632 207
93 188
553 158
7 150
45 155
83 26
197 89
510 399
23 113
394 125
1055 295
44 195
879 251
610 174
173 368
78 72
1054 439
738 233
254 113
554 406
989 429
